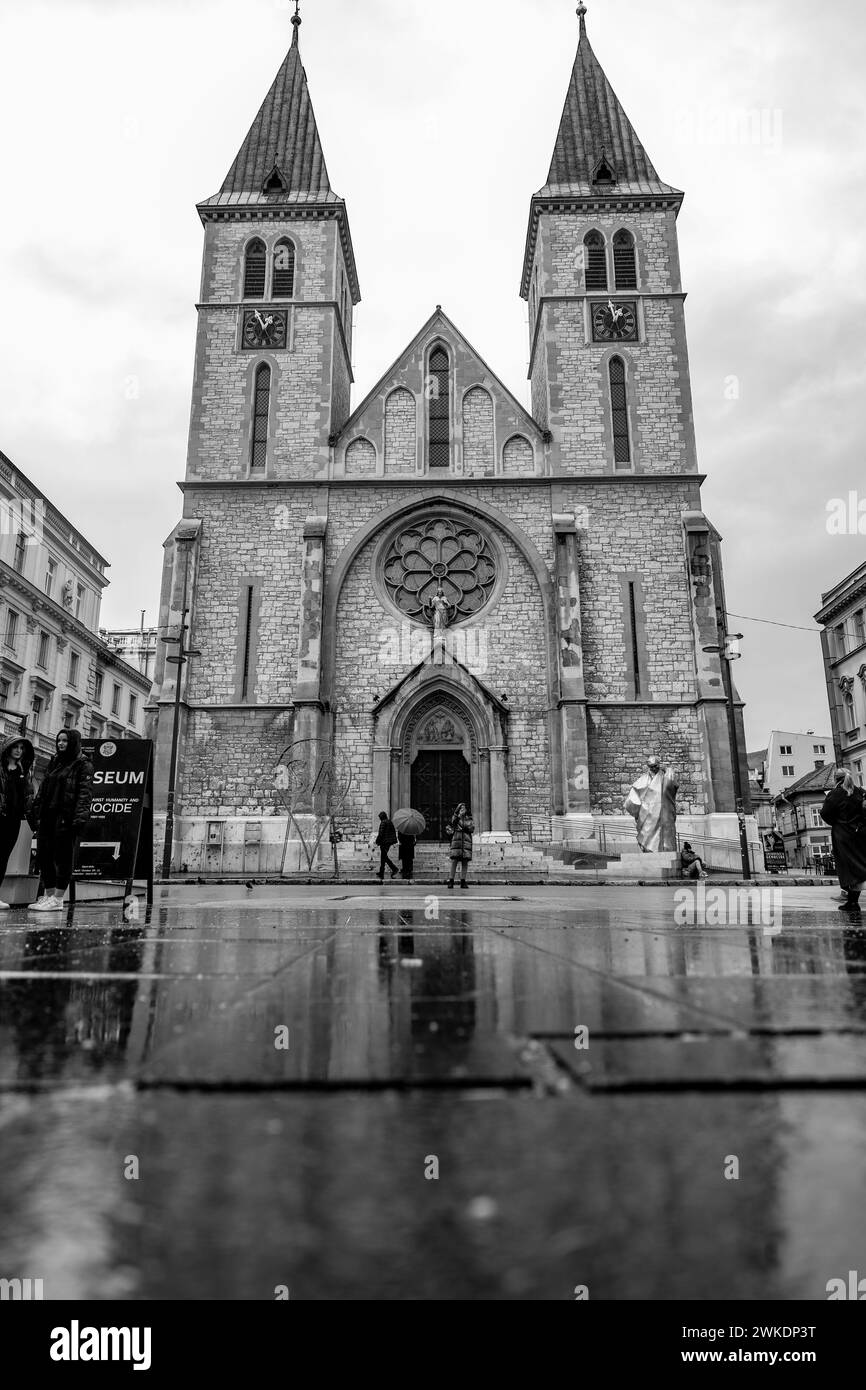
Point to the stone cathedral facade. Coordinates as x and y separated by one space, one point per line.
470 600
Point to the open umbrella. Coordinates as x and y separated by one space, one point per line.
409 822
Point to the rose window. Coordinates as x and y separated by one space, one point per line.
436 555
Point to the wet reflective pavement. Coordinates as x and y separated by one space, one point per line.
243 1091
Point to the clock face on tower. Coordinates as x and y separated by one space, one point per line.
614 321
264 329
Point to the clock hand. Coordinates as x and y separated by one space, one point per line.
260 319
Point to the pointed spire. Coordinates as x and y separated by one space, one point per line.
296 22
596 136
284 136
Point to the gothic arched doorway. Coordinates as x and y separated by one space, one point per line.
440 756
441 779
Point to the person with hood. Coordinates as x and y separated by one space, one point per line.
461 829
690 863
844 810
16 797
61 811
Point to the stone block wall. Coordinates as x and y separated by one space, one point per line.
401 433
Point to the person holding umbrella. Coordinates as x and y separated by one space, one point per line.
409 825
461 830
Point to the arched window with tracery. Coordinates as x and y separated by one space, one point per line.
439 407
255 270
595 257
261 414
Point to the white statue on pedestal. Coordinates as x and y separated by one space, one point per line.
652 802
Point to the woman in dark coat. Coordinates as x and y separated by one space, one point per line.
16 796
461 830
61 811
845 812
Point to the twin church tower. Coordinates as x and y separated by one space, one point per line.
561 555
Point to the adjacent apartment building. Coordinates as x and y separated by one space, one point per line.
843 640
788 758
55 670
136 645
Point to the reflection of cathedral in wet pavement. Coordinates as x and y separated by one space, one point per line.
474 600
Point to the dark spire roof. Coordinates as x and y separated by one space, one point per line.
594 131
283 141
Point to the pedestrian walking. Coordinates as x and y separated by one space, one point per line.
16 797
461 829
407 855
691 865
61 811
386 837
844 810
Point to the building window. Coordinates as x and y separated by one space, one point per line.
68 720
619 414
97 688
133 709
36 710
11 628
819 763
624 261
74 663
786 750
595 258
44 649
80 592
787 771
815 814
839 636
284 269
5 687
858 768
820 748
850 711
860 627
50 575
115 700
261 412
255 267
439 395
20 552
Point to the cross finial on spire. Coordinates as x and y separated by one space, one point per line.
296 21
581 14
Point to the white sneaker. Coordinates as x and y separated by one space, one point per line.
4 907
54 905
46 904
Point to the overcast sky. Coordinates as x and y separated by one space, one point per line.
438 123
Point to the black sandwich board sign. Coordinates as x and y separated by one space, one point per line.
117 843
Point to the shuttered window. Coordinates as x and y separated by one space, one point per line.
261 410
439 397
284 270
596 261
619 414
255 266
624 261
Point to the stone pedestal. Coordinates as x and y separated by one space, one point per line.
663 867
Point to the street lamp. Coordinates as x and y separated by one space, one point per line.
180 660
728 650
